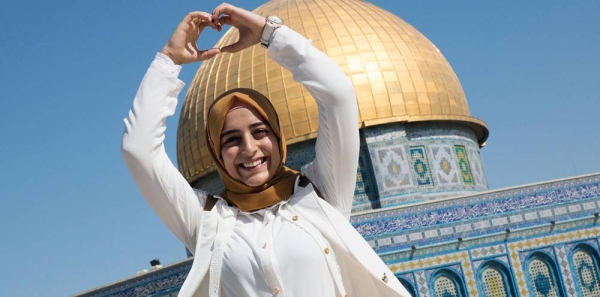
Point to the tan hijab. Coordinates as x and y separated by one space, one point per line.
281 186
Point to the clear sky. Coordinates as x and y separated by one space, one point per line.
71 218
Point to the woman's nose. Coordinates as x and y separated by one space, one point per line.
249 145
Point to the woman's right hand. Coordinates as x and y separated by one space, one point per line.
249 24
182 47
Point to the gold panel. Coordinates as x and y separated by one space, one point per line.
398 74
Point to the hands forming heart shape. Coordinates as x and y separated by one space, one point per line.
182 47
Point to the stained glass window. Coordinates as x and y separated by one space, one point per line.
493 282
445 287
542 278
496 280
586 272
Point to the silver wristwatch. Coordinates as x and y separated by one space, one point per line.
271 24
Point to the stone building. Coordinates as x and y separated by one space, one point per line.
422 199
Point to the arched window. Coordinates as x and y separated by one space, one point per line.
542 275
447 283
408 286
496 280
584 263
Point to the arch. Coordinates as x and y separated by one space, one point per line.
543 278
584 265
495 280
447 283
408 286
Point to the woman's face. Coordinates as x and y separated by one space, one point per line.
249 148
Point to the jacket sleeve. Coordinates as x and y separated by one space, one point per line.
337 147
177 204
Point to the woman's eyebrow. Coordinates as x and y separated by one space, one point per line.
225 133
260 123
229 132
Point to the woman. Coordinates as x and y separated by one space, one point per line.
269 233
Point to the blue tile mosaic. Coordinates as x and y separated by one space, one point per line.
463 164
483 213
391 147
446 171
420 166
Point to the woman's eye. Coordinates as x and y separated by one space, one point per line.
261 132
231 140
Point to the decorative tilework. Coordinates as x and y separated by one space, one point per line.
531 216
516 218
393 190
444 166
560 210
431 233
463 164
420 166
384 241
501 221
489 251
415 236
477 169
482 224
365 194
463 228
517 257
565 270
512 203
446 231
589 205
394 169
574 208
457 261
546 213
399 238
422 284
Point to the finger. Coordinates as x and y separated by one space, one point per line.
197 18
224 8
191 16
207 54
205 16
225 20
232 48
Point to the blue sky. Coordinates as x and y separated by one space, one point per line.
72 218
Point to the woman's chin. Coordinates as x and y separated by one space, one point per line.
256 181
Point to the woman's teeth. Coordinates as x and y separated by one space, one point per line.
253 164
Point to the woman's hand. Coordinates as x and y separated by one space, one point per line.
249 24
182 47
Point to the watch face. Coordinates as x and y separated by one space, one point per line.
275 20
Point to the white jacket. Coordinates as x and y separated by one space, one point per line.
354 266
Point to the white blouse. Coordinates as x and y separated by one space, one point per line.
268 254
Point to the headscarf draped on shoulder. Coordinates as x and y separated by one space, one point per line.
281 186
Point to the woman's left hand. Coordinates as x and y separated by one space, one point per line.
249 24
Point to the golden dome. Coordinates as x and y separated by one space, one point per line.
399 76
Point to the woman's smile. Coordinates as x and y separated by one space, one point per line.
253 164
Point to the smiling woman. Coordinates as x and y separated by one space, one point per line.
269 233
